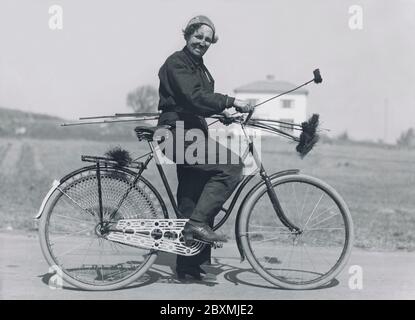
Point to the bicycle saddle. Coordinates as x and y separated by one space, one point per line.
147 133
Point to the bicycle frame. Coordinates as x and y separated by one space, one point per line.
155 152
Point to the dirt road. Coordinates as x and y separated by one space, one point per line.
24 274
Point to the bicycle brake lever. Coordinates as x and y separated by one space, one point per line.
249 116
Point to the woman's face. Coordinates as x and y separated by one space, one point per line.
200 41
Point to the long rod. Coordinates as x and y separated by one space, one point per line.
274 130
96 117
108 121
277 121
120 115
279 95
138 114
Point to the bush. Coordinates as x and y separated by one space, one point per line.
343 136
407 139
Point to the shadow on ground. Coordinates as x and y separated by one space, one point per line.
163 271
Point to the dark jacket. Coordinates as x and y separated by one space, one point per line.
187 92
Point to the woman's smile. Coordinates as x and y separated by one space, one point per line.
200 41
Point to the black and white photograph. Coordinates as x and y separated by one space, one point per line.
202 151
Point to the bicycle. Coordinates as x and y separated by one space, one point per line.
103 225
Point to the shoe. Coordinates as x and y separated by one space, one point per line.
202 232
201 271
193 271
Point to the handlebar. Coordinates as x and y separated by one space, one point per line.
235 118
232 118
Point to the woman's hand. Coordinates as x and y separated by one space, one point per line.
227 118
242 106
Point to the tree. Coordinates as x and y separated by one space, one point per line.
407 139
143 99
343 136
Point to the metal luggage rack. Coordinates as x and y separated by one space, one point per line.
108 161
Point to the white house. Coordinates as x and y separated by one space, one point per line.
290 108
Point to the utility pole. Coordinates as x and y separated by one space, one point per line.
385 125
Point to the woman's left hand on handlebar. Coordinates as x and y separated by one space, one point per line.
243 106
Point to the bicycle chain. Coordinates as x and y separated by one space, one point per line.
156 234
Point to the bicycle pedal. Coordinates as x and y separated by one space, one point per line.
189 243
214 245
188 240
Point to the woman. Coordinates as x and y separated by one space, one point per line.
187 94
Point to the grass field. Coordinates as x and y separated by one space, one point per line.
377 183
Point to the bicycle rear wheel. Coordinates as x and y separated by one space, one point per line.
306 259
73 239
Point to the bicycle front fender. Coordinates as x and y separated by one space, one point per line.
255 188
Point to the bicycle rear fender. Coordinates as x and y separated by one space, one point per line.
255 188
57 183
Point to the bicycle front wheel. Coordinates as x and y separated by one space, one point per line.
73 237
311 256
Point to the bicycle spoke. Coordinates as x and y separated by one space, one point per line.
301 261
283 259
323 212
75 202
309 257
304 201
87 251
327 262
257 226
72 249
320 222
120 272
319 229
70 234
270 239
75 219
296 203
288 263
100 257
259 232
315 207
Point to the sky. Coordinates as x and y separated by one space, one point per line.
106 49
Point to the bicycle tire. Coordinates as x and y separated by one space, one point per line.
282 259
75 200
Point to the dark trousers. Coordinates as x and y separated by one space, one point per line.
189 189
203 188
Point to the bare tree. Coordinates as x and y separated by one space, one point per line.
407 139
143 99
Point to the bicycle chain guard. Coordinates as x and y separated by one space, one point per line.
155 234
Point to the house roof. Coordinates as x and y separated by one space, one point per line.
269 86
